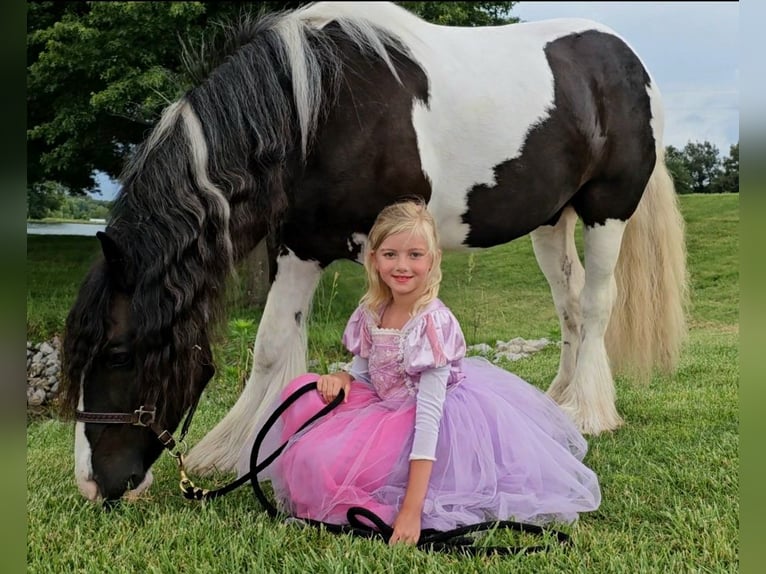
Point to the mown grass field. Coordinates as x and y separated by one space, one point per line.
669 478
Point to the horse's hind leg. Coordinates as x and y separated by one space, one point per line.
590 397
279 355
557 257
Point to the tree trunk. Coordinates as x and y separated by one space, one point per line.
255 272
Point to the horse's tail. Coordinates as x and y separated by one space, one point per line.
648 322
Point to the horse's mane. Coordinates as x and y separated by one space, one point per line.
229 138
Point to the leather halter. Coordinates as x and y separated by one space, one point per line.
143 416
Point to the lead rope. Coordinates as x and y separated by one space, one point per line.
430 539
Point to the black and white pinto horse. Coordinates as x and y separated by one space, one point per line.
312 122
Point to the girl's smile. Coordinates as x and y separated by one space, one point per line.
403 262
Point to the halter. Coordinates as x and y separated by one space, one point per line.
143 416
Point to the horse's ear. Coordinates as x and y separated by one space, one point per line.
112 251
115 260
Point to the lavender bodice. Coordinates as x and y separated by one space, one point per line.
397 357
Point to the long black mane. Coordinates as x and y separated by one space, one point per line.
210 181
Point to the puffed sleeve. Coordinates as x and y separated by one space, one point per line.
435 341
356 337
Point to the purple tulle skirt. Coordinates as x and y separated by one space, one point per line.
505 451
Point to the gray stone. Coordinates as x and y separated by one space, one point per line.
35 397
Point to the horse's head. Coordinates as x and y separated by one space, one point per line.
126 353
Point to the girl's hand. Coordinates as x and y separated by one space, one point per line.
406 527
329 386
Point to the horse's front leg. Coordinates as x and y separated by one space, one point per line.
279 355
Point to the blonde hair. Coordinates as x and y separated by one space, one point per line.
412 216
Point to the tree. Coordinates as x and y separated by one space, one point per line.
677 166
703 164
44 198
727 180
463 13
99 74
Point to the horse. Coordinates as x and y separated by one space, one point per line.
303 128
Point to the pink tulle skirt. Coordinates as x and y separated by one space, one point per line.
505 451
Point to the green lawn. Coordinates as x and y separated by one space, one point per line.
669 477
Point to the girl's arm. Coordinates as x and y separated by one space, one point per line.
430 401
407 522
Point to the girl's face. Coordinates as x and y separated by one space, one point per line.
403 262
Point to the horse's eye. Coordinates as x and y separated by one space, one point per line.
119 359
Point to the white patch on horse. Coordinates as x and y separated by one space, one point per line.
658 115
167 120
221 209
357 240
161 131
508 88
279 355
83 469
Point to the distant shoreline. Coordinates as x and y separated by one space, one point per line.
56 220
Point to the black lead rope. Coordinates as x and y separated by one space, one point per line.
430 539
195 493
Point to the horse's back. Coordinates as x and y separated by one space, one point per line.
521 116
502 129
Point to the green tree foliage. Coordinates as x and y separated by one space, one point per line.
82 208
463 13
728 179
698 168
703 163
676 162
99 74
44 198
51 200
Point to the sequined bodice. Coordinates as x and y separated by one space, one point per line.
396 358
386 364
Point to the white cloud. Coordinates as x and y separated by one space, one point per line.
702 115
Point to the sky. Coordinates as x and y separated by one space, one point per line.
690 48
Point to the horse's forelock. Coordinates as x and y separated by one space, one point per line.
84 334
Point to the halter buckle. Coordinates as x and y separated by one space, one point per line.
144 417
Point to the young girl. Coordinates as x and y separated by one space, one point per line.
425 437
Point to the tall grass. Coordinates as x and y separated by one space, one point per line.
669 477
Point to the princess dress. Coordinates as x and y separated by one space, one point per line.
504 450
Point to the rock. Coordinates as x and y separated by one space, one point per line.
43 372
510 356
335 367
35 397
481 348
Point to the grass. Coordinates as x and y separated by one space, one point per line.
669 477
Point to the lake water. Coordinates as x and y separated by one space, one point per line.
64 228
